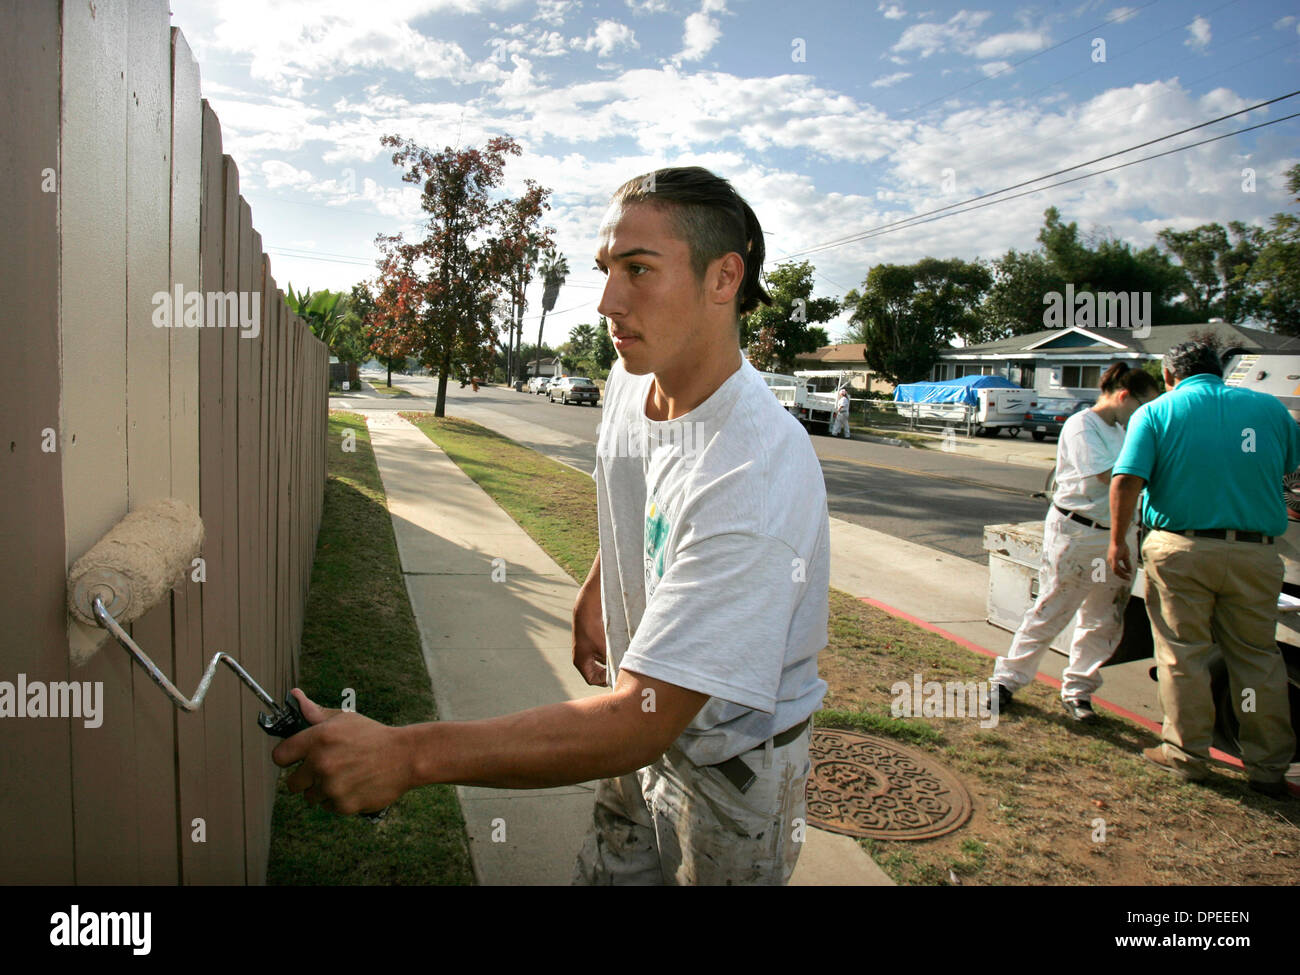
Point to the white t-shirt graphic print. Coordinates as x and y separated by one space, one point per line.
715 557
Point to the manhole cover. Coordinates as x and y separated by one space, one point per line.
862 785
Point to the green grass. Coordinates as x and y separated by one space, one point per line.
397 392
359 633
555 504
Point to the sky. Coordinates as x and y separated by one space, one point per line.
832 119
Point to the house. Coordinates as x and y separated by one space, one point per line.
549 367
1068 362
833 362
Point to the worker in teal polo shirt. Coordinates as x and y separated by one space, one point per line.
1212 458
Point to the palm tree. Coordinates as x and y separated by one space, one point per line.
554 270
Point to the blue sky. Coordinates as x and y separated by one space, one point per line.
830 118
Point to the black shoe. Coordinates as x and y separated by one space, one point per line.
1274 790
1080 710
1004 697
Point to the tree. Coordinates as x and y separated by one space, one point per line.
762 349
392 333
351 342
1014 304
791 316
461 265
322 313
1200 251
604 352
1275 276
554 269
906 311
526 240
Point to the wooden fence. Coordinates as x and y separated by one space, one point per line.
116 191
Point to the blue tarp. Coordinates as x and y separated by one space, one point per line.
950 390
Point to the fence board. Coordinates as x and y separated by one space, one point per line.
224 813
186 188
35 805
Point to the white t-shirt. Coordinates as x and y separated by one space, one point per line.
715 557
1087 446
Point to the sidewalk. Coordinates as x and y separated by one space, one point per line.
493 647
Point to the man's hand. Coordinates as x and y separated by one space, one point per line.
589 630
350 764
1119 560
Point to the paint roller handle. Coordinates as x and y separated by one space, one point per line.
287 722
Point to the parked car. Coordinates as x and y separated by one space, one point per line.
575 389
538 384
1046 418
551 383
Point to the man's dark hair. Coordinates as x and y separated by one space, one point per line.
1192 359
713 219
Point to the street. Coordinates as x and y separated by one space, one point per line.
930 497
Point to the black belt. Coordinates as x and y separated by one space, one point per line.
1223 534
1075 516
741 775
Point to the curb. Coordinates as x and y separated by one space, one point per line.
1220 757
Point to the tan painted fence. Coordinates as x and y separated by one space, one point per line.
115 191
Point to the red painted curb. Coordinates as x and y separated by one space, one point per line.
1050 681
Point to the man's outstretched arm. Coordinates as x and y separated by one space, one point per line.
354 764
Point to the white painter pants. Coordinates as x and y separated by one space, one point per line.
840 421
1074 580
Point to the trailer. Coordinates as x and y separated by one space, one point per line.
982 405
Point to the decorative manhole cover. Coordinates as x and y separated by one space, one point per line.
862 785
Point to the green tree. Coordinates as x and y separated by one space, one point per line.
1200 251
1014 305
464 261
1275 275
792 316
905 312
554 270
604 351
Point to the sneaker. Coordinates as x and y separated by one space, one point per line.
1004 697
1274 790
1080 711
1156 756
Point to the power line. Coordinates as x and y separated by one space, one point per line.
891 228
1110 155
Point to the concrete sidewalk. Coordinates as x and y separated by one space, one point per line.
493 646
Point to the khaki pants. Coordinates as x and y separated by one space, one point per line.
1202 592
675 822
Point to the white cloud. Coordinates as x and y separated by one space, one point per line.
957 32
994 67
889 80
606 38
1121 15
1283 23
1000 45
553 12
548 45
648 6
701 31
1198 34
276 173
891 11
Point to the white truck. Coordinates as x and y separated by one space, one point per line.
798 395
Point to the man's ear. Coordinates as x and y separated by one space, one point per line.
726 277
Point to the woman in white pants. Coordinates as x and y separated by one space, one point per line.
1074 579
840 420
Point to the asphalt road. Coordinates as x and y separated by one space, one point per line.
930 497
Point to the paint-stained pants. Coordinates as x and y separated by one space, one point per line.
1203 592
1073 580
678 823
840 421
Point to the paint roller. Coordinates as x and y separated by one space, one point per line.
130 570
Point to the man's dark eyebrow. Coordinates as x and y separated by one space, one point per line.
633 252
